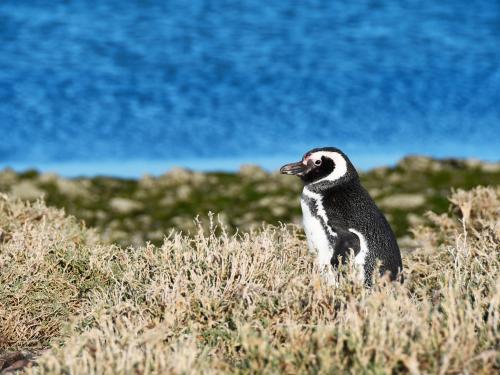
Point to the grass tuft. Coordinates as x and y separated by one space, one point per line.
249 303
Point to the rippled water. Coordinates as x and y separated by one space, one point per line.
210 84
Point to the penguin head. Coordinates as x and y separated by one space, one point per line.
322 169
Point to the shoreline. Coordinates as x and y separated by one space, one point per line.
133 211
138 168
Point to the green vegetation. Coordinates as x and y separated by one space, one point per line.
131 212
214 302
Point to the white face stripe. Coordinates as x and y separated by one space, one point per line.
340 164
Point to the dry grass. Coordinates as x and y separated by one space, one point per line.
251 303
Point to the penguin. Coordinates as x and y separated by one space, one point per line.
340 217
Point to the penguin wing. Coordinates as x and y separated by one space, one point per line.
345 242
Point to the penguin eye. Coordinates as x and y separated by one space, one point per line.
317 162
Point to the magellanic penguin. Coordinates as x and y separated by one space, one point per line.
340 217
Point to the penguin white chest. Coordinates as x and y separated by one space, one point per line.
317 237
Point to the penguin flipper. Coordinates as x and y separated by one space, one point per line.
344 243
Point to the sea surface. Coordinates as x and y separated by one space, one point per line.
133 87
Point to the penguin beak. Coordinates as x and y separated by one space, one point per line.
297 169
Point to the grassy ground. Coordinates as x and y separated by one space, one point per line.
130 212
252 303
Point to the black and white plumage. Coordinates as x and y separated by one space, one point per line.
340 216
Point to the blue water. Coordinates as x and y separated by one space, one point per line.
94 86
